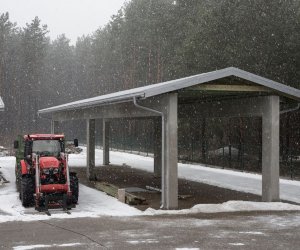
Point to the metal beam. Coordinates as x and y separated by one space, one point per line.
243 107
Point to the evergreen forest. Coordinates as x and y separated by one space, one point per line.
151 41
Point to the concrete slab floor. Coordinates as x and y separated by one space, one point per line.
201 231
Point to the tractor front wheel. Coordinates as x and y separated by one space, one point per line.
27 190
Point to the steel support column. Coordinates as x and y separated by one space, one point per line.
170 172
90 151
106 125
157 146
270 149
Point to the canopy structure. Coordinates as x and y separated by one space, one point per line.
229 92
1 104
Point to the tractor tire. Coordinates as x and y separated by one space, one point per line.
27 190
74 186
18 181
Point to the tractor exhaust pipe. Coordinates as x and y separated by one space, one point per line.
37 174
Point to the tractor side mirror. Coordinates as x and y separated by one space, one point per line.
16 144
76 143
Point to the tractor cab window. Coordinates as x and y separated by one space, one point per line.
47 147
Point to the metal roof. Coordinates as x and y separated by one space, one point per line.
1 104
175 85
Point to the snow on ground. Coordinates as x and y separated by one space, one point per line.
28 247
187 248
229 206
234 180
93 203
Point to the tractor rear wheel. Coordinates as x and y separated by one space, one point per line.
74 187
27 190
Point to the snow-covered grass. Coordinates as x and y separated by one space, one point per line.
93 203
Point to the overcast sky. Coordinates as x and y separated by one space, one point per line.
72 17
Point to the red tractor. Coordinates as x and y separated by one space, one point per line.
42 173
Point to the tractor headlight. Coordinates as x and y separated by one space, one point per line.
46 171
50 171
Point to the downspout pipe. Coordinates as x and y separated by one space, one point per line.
162 146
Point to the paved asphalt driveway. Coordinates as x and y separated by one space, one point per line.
214 231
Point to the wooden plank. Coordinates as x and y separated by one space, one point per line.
180 196
112 190
153 189
132 199
184 196
107 188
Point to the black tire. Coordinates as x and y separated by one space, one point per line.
74 186
27 190
18 179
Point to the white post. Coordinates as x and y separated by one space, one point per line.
170 178
90 151
270 149
106 125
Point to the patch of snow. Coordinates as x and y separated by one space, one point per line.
69 244
252 233
237 244
229 206
276 222
136 234
185 248
28 247
135 242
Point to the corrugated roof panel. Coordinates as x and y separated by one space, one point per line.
174 85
